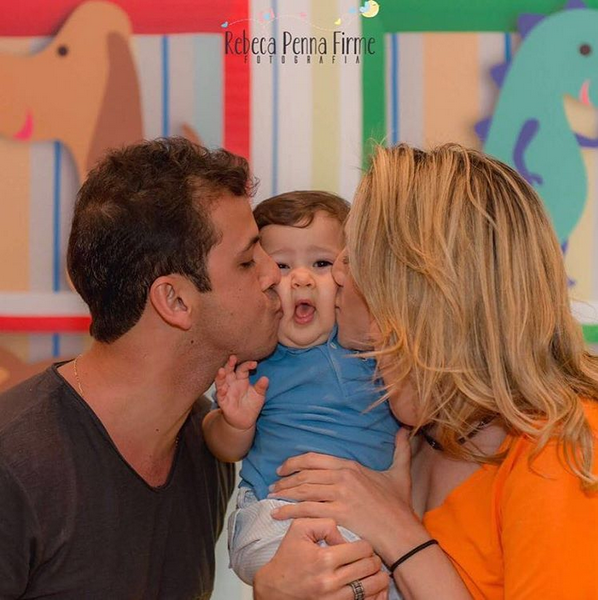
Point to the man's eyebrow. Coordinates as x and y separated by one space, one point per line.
254 240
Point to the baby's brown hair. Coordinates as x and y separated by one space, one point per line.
297 209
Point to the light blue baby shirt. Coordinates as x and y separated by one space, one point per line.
315 403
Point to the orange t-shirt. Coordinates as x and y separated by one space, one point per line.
514 532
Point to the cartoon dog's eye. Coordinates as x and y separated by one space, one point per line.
585 49
62 50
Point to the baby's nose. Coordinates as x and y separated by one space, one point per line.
301 278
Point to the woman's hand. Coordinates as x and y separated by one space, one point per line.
303 570
376 505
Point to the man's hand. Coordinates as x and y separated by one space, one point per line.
239 401
304 570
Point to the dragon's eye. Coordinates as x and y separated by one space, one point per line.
62 50
585 49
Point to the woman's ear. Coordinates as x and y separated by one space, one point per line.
172 297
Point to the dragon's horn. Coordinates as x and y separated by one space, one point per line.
499 72
527 21
575 4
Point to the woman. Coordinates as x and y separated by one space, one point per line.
468 312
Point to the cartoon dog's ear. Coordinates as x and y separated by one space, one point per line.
119 119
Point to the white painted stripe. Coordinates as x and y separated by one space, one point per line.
42 304
295 101
40 346
147 50
41 158
351 99
208 88
261 105
411 89
585 312
181 98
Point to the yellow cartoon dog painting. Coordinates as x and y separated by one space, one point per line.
82 89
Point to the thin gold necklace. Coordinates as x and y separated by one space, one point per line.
176 440
77 376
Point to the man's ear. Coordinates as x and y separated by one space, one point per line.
172 298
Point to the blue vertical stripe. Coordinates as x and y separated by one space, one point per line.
55 345
165 86
394 66
275 92
507 47
56 235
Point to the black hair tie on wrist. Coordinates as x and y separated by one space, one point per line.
410 554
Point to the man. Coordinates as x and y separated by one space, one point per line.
107 490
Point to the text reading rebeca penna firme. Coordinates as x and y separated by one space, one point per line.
292 48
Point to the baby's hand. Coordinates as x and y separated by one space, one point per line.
239 401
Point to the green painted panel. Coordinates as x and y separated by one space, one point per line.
461 15
590 334
373 97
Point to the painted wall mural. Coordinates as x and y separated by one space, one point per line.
77 77
534 126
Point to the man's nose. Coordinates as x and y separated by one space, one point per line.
301 277
269 273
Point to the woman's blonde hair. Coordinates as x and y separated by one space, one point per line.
463 274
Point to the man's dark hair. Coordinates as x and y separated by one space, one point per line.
144 212
297 209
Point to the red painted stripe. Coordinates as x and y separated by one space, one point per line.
44 17
237 90
45 324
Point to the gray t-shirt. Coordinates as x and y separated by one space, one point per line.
78 523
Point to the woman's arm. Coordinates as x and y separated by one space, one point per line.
376 506
302 569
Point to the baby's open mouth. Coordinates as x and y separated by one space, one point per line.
304 312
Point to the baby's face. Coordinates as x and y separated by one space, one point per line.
307 290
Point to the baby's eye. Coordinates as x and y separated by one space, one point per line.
282 266
322 264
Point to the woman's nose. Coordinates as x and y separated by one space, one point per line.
339 268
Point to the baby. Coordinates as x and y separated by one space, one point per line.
318 393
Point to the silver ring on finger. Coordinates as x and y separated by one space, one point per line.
358 591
